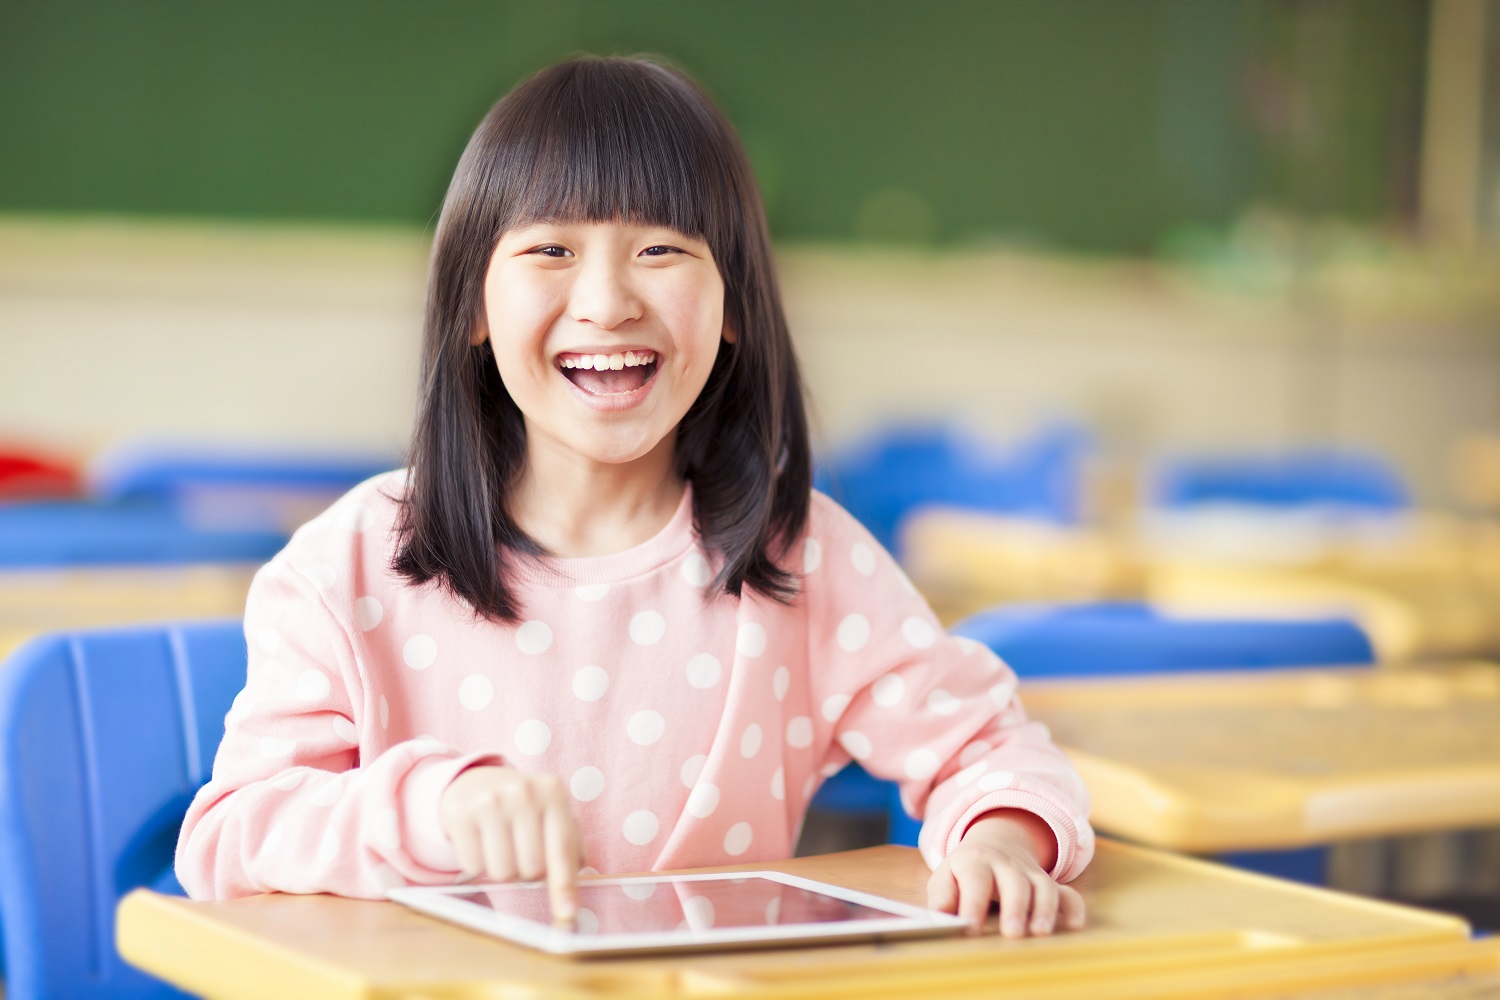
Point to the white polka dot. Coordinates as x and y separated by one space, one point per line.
918 632
268 639
703 671
996 780
367 613
239 708
328 847
691 769
385 713
737 840
778 784
1002 693
385 830
312 685
888 691
695 570
356 517
922 764
750 741
592 591
781 680
320 575
751 640
831 768
940 702
639 891
812 555
969 646
640 827
857 744
533 638
645 727
863 558
328 792
854 632
533 737
345 730
586 921
833 706
288 780
420 652
647 628
590 683
799 732
586 784
703 800
276 746
476 692
973 751
967 775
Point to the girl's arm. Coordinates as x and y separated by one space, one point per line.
937 714
292 806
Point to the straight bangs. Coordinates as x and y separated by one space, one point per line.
606 142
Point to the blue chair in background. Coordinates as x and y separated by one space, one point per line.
1326 477
881 479
81 533
105 736
227 486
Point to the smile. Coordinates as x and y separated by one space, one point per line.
619 374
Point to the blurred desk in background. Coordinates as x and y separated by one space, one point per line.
1238 761
1160 925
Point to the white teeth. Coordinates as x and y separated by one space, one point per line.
602 362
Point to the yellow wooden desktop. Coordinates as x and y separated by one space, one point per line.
1160 925
1249 760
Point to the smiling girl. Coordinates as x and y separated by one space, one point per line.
603 617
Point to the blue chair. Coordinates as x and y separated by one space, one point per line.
1123 639
105 736
883 478
232 486
1126 638
140 533
1323 477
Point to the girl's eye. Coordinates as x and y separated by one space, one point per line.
552 250
659 251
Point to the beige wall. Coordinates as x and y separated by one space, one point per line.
309 336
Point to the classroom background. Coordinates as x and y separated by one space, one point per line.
1159 341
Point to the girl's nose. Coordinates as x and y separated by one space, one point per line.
602 295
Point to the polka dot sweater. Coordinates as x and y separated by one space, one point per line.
690 731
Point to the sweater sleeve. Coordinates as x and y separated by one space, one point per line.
292 805
935 713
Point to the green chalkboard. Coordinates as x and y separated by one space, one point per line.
1087 124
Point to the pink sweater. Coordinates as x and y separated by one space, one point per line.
690 732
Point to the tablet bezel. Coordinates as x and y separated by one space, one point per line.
905 920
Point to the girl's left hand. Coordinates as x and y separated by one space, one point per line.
998 858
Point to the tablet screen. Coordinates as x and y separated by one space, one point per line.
634 913
648 906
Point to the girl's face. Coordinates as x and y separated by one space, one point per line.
604 333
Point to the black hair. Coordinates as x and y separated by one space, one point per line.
601 139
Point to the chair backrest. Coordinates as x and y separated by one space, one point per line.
1123 638
105 736
145 533
1328 477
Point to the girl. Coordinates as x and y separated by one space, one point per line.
603 616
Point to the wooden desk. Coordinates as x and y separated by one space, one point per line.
1239 761
1160 925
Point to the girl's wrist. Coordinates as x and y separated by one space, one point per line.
1019 826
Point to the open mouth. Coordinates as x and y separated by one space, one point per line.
609 374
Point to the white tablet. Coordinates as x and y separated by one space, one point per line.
679 913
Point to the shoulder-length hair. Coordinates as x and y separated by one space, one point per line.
600 139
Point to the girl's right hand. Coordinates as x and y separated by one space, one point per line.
507 825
